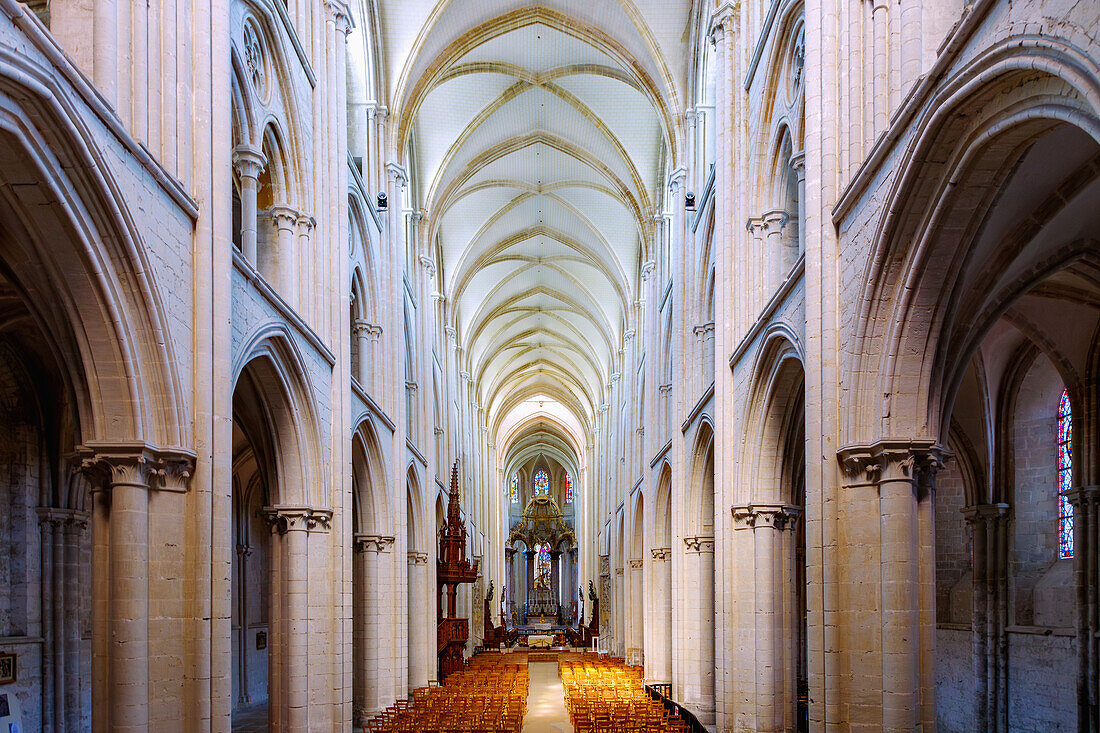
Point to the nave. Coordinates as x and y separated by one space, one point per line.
554 692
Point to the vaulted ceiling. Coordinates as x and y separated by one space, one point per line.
539 138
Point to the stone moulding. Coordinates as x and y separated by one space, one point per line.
918 460
699 544
373 543
136 463
286 518
776 516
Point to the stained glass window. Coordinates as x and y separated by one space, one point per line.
1065 476
513 490
542 568
542 482
568 489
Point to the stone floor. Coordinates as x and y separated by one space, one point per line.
250 720
546 711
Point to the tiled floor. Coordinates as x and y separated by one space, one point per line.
546 711
250 720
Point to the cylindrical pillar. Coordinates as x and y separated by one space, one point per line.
363 669
798 164
60 605
47 526
249 163
774 221
74 532
900 602
295 551
286 225
129 602
306 285
555 577
362 333
101 594
880 88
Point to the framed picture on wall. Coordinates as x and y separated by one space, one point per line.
7 668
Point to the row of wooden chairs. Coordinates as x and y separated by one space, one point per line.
477 699
606 696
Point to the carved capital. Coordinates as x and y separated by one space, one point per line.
285 218
635 563
700 545
647 269
774 221
798 164
676 178
619 571
340 14
704 329
418 558
397 173
428 265
916 461
248 162
292 518
755 226
661 553
723 21
136 464
372 543
306 224
765 516
1082 495
70 521
985 513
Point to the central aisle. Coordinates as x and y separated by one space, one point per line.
546 711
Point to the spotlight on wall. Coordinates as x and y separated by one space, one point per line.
382 201
689 201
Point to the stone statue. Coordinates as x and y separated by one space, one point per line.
490 596
591 591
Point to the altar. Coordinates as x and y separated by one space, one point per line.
544 641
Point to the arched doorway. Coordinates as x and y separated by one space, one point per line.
274 516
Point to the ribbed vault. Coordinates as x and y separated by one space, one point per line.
540 137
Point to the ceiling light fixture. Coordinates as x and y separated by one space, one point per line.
689 201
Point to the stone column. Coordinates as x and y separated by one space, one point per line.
757 270
286 224
289 677
530 569
369 627
361 330
986 522
902 471
128 549
774 221
1085 502
555 576
659 657
306 286
635 642
122 477
249 163
420 642
699 569
47 527
880 22
619 611
74 530
770 548
798 164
